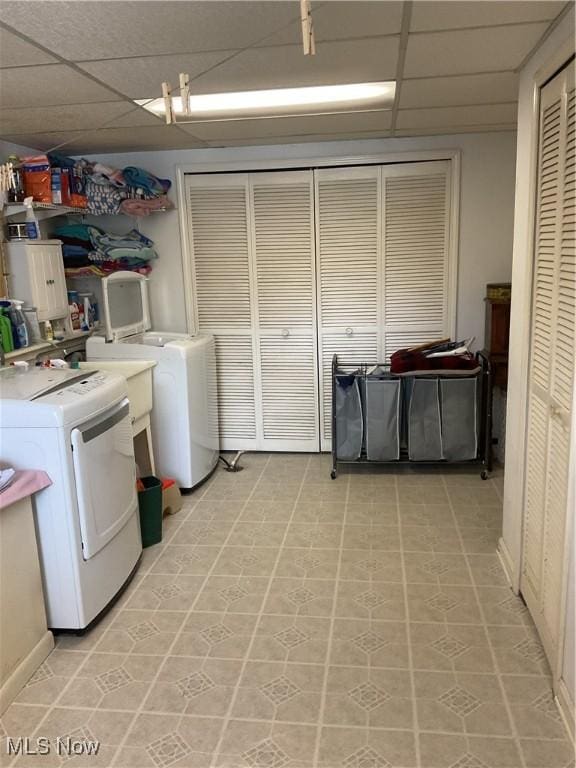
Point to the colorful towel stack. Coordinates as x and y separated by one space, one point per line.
133 191
88 251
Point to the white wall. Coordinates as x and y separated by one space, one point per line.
486 212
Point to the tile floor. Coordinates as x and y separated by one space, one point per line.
291 620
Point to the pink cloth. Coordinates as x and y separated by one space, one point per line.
24 483
136 207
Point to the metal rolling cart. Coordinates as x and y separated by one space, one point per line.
412 418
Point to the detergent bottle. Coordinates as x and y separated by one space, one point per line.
6 332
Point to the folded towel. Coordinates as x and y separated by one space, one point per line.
138 177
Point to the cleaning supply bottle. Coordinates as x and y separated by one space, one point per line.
48 331
32 227
5 331
19 323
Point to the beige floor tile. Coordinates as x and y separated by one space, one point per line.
450 647
363 493
452 751
166 592
142 632
307 562
518 650
501 606
461 702
428 538
288 692
366 748
421 493
487 570
194 686
228 511
426 514
332 512
380 565
291 639
539 753
246 561
469 516
478 495
377 512
368 697
480 541
238 594
302 597
169 740
269 744
223 635
534 710
267 511
257 534
372 600
186 560
364 643
204 532
453 604
319 535
372 537
436 568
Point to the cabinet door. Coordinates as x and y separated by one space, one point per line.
58 297
39 276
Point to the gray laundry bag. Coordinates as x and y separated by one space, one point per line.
382 406
458 405
348 413
424 422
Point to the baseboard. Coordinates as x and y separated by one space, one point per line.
24 671
566 706
507 564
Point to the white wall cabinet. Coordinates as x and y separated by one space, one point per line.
552 362
36 276
290 267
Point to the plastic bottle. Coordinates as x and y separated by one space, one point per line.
32 228
6 332
19 322
16 192
48 331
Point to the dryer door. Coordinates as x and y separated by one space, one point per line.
105 474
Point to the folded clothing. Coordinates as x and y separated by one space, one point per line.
142 179
115 247
75 231
102 199
136 207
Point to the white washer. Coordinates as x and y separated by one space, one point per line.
184 418
76 427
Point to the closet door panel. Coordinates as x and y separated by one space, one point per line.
416 206
285 301
219 235
551 368
348 258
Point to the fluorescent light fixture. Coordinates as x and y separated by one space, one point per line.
323 99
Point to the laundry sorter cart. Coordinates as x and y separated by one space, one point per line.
431 417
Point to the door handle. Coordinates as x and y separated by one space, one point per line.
349 331
285 332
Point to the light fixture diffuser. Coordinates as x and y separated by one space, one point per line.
279 102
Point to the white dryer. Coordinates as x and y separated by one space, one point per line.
76 427
184 418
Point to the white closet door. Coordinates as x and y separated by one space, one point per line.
219 234
417 295
552 362
283 248
348 250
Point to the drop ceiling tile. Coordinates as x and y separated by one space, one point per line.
490 88
498 128
143 78
452 117
285 66
291 126
49 85
341 20
114 140
15 52
30 120
299 139
428 16
489 49
138 29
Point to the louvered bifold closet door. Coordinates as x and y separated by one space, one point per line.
283 246
219 238
552 361
417 294
348 250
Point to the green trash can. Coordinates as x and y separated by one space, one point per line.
150 505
